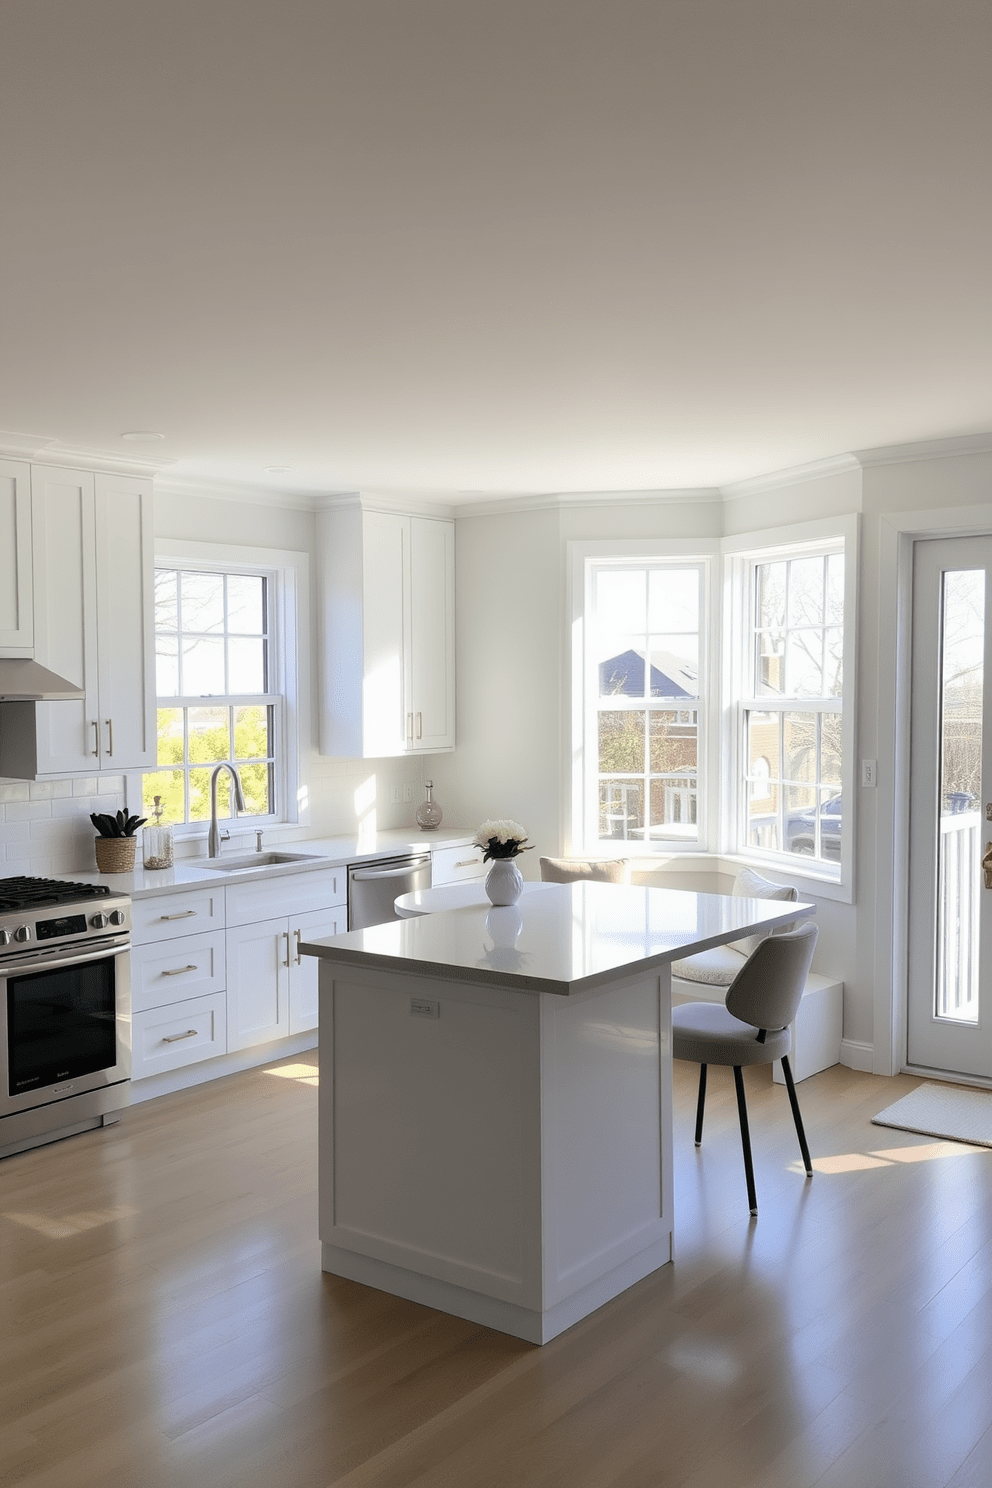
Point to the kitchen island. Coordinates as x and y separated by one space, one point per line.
495 1098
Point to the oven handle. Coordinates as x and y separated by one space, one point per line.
45 958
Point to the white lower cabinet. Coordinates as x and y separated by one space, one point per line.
271 988
167 1038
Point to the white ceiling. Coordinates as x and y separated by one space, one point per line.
459 247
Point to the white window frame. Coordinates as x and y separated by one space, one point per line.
289 675
826 879
581 836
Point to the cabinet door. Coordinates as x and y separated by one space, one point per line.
257 983
431 649
303 969
16 601
125 609
67 733
385 542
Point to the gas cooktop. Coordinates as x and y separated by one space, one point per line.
39 893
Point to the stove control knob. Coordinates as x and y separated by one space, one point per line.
23 932
117 917
98 921
5 937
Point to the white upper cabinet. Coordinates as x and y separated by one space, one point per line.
387 633
16 603
93 619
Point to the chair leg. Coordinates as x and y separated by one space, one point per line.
797 1117
752 1196
700 1103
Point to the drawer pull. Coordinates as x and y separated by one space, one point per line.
178 970
467 863
187 914
173 1038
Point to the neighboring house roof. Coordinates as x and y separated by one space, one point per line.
669 676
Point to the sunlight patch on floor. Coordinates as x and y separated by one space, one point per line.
304 1074
62 1227
885 1157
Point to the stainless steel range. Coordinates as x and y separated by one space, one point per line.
65 1009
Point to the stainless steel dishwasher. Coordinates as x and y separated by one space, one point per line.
372 887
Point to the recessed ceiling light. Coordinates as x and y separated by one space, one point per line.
277 469
141 436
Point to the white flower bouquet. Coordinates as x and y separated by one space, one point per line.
500 839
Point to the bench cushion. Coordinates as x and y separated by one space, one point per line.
716 967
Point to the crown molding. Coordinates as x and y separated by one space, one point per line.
927 449
493 506
401 505
791 475
220 490
42 450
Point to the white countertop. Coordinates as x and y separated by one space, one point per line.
328 852
568 938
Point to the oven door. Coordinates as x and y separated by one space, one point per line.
66 1024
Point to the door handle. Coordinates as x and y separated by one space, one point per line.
285 935
96 739
420 720
987 864
110 736
409 725
299 937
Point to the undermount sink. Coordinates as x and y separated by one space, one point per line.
246 862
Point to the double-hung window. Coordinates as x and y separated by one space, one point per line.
791 707
218 693
643 714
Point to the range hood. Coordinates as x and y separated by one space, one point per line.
26 681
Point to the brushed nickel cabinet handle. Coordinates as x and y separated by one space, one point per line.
467 863
110 736
185 915
409 725
420 720
285 934
96 739
178 970
299 937
173 1038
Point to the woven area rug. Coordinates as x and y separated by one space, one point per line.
943 1111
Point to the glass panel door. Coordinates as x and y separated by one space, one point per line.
950 1021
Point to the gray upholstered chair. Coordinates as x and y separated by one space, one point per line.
751 1028
585 870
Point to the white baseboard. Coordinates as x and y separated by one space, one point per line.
214 1069
857 1055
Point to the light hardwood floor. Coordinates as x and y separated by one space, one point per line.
164 1321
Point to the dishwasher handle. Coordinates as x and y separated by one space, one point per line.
365 875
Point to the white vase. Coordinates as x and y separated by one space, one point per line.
504 883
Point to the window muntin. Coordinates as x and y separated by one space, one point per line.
214 661
643 642
792 713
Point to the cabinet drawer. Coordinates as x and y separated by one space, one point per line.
163 974
453 864
289 894
167 1038
171 915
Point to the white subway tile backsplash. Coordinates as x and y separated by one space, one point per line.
13 832
26 810
13 790
86 785
40 790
